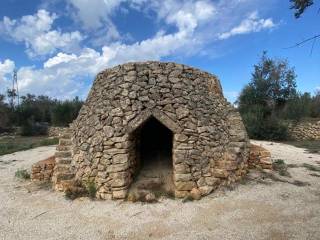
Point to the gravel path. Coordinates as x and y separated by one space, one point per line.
254 210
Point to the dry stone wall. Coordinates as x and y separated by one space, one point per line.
56 131
305 130
210 145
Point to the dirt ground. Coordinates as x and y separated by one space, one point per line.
256 209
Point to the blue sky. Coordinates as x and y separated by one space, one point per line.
59 46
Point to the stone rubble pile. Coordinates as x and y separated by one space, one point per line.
259 157
42 171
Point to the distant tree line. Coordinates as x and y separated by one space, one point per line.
271 99
36 112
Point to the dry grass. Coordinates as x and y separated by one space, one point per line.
79 189
17 143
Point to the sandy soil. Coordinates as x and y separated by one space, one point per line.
255 210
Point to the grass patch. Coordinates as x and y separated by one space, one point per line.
17 143
22 174
311 167
312 146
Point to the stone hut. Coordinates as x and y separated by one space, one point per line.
138 115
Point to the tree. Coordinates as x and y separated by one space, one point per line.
11 93
35 113
273 83
300 6
4 114
65 112
298 107
315 105
260 102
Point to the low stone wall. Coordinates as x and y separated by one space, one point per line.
42 171
259 157
56 131
305 131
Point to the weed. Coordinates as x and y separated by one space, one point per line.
22 174
279 162
76 190
91 189
281 167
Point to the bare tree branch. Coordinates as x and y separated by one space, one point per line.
304 41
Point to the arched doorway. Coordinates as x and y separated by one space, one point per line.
155 145
153 153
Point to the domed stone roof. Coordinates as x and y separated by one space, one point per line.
209 146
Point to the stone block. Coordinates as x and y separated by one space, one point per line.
117 167
220 173
120 158
182 177
121 194
185 186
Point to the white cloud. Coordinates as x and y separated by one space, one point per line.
37 34
69 73
251 24
6 67
6 71
59 58
190 15
62 75
94 13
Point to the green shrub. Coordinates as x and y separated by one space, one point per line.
297 107
281 167
91 189
258 127
22 174
31 128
